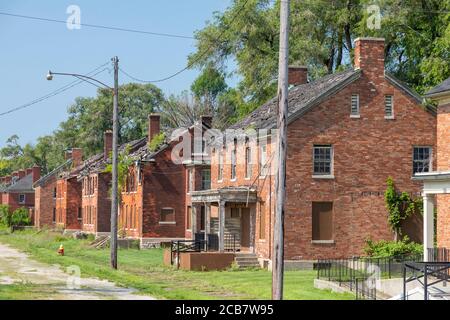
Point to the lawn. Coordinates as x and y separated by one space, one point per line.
143 270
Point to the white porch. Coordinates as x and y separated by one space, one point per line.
434 183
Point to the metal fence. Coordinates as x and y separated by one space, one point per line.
231 241
359 274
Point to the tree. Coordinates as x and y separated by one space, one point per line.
321 37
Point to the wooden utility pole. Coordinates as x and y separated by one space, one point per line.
115 147
280 184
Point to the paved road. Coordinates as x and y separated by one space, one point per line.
17 267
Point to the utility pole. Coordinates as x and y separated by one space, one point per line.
280 185
114 195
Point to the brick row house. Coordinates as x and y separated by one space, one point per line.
155 203
347 133
49 209
17 189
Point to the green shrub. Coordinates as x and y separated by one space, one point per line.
156 142
5 215
385 248
20 217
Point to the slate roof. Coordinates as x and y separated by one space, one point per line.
22 185
300 98
444 86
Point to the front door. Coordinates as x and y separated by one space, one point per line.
245 229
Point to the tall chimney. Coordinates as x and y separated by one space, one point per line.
36 173
369 56
153 125
29 171
67 154
297 75
77 156
8 179
107 143
206 121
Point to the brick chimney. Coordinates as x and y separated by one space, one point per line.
67 154
36 173
297 75
29 171
15 174
8 179
77 156
369 56
206 121
153 125
107 143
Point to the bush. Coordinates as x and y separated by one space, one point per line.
20 217
385 248
5 215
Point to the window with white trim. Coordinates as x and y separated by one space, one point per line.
354 111
220 166
322 158
263 160
206 179
21 198
421 159
389 106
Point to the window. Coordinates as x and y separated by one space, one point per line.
189 218
354 105
248 162
421 159
80 214
54 193
206 179
235 213
167 215
233 161
322 221
21 198
220 166
322 159
389 106
190 180
54 215
262 221
263 160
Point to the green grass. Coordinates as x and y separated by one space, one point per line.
144 270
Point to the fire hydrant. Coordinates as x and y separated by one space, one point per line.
61 250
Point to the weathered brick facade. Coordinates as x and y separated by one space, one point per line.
367 149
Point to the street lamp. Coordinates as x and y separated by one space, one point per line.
114 200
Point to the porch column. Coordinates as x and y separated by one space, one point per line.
221 225
207 220
194 222
428 225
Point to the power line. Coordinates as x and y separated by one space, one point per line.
190 64
97 26
56 92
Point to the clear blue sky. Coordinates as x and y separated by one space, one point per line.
30 48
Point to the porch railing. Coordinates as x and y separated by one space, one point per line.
439 254
359 273
178 246
231 241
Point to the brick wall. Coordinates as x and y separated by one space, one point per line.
100 202
443 164
45 203
69 203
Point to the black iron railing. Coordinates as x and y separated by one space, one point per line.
176 247
427 273
358 273
231 241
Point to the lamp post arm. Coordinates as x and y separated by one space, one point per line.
81 77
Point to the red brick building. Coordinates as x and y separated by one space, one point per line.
347 133
49 195
17 190
436 189
155 201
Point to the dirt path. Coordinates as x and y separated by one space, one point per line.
18 268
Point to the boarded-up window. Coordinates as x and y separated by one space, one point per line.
202 217
54 215
262 221
167 215
235 213
322 221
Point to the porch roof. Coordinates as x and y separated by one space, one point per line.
226 194
436 182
